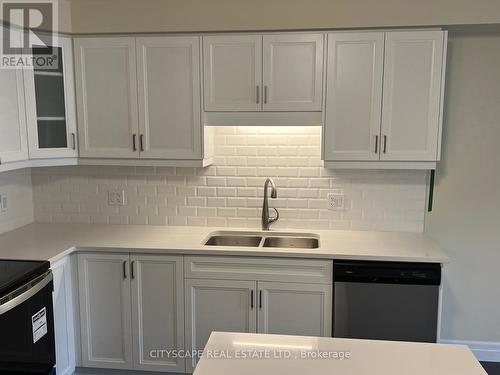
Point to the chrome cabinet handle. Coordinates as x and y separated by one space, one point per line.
124 269
385 144
73 138
257 94
251 299
141 142
132 272
265 94
134 137
376 144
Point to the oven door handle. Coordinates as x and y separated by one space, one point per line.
31 289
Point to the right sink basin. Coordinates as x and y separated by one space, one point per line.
291 242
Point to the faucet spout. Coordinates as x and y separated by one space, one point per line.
266 220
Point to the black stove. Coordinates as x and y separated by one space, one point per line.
16 273
27 344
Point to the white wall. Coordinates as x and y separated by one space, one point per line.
17 186
230 192
95 16
466 215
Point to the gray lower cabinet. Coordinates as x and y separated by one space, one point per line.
131 309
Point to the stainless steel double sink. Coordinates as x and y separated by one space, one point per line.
263 240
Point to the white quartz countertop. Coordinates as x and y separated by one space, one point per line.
250 354
51 241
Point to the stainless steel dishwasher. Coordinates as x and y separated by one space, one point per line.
386 300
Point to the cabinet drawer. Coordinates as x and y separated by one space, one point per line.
253 268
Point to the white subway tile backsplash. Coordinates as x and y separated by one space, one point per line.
17 186
229 193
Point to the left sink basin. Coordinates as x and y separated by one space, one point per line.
230 240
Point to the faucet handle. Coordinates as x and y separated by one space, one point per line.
276 218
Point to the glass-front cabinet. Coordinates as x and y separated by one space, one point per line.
50 101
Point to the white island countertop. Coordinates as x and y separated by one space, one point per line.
251 354
51 241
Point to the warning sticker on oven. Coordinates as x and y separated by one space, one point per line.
39 322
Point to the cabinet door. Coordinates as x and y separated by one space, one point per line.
157 311
354 96
295 309
411 96
50 103
293 72
104 288
232 66
13 144
169 97
63 317
217 305
106 91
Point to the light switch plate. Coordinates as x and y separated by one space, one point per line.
336 200
116 197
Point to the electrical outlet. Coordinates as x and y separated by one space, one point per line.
4 203
116 197
336 200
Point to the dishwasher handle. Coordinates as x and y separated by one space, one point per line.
388 272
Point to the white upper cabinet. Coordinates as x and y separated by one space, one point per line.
292 72
106 89
50 103
255 73
140 98
384 99
13 146
169 97
412 93
354 86
232 72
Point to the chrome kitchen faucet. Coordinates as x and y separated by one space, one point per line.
266 220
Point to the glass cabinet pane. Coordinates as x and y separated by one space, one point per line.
49 65
52 134
50 100
49 94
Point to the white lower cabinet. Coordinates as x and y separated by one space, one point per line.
137 310
131 308
105 313
217 305
294 309
63 317
157 312
256 295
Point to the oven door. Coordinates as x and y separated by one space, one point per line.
27 329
